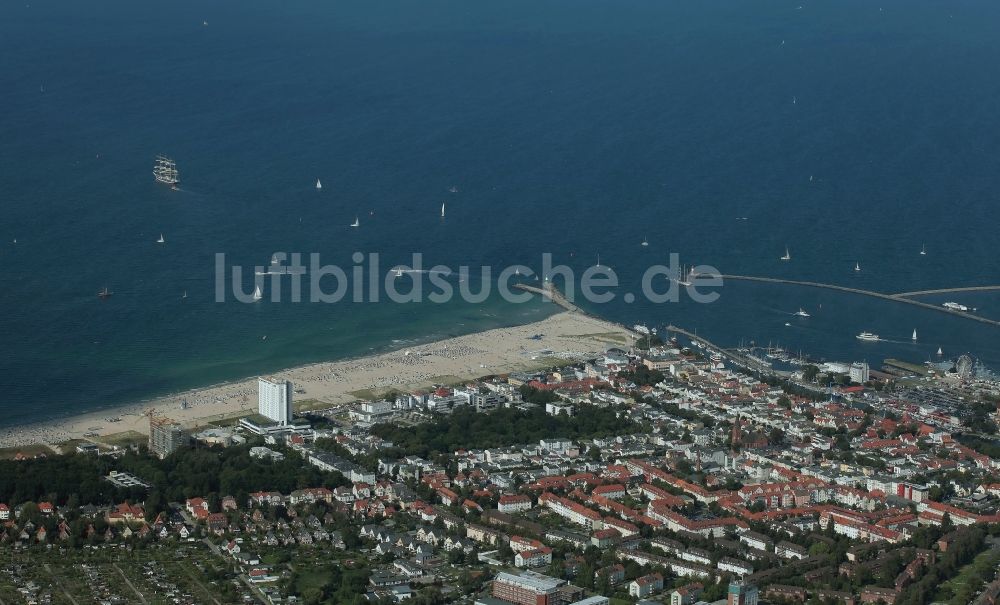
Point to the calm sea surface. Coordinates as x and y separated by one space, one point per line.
722 131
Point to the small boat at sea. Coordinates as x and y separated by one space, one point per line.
257 294
802 313
104 293
787 256
318 184
940 352
399 273
644 242
161 240
923 250
356 222
868 336
442 210
857 266
185 295
914 337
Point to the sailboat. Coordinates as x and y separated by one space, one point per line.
914 337
802 312
940 352
257 294
644 242
161 240
787 256
185 295
356 222
165 171
794 101
318 184
104 293
923 250
598 261
684 278
442 210
857 266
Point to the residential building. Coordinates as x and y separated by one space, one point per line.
644 586
527 588
741 593
274 400
165 436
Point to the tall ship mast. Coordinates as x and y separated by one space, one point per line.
165 171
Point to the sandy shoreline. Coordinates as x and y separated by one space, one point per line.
566 335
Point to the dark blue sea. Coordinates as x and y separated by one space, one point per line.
850 131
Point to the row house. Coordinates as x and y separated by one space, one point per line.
533 558
310 495
514 503
572 511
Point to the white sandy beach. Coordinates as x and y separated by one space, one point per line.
566 335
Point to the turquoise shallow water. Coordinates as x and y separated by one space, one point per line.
576 128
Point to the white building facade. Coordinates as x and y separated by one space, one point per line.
274 399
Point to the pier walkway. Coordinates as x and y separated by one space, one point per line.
900 298
950 290
548 292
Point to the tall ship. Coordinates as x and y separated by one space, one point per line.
165 171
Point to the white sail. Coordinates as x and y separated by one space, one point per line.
787 256
356 223
257 294
442 210
923 250
161 240
914 337
165 171
940 352
318 184
857 266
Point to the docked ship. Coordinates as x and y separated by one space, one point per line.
868 336
165 171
